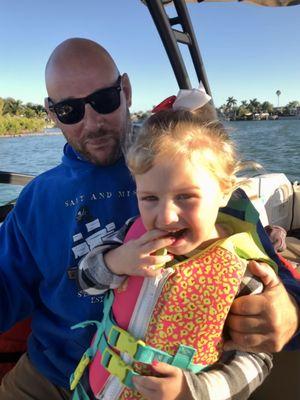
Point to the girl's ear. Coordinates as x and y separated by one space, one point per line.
227 192
225 199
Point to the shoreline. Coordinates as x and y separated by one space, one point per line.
45 133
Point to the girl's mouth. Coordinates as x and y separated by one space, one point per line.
177 234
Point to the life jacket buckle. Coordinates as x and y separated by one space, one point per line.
117 367
124 341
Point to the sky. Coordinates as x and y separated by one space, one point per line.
248 51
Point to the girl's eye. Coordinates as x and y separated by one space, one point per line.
149 198
185 196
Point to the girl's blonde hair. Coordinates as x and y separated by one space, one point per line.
193 135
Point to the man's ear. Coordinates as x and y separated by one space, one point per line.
49 113
127 89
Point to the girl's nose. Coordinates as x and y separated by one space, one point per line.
167 215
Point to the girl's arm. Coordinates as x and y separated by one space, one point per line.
235 376
93 275
107 266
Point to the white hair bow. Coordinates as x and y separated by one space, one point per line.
186 99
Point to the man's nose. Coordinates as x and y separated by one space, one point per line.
167 215
92 118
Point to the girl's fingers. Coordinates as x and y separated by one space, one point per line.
149 236
165 369
153 265
157 244
158 260
148 383
145 387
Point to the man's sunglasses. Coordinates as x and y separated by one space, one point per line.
104 101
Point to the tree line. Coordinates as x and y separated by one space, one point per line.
248 109
17 118
10 106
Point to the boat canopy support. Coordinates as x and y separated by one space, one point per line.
12 178
171 38
15 178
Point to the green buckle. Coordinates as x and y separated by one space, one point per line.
124 341
117 367
75 378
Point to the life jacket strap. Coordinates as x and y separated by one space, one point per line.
79 393
77 374
89 354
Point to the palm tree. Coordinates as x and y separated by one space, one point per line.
278 93
243 110
39 110
12 106
254 106
230 102
267 107
291 107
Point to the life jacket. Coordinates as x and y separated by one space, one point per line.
13 344
184 324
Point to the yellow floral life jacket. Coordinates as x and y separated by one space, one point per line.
178 320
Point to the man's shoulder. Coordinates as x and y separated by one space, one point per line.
46 176
48 182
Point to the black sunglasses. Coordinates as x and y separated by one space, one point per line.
104 101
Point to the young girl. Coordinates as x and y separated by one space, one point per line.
177 300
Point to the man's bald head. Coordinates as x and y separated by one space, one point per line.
77 69
75 59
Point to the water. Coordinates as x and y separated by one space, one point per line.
274 144
30 155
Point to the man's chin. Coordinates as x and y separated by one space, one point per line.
103 156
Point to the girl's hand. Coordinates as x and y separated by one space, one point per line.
171 385
137 257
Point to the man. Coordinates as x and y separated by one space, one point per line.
64 213
67 211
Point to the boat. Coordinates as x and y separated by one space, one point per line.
12 178
275 197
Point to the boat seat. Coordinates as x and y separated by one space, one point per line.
13 344
292 252
4 210
283 382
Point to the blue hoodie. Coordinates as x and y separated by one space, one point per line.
58 218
